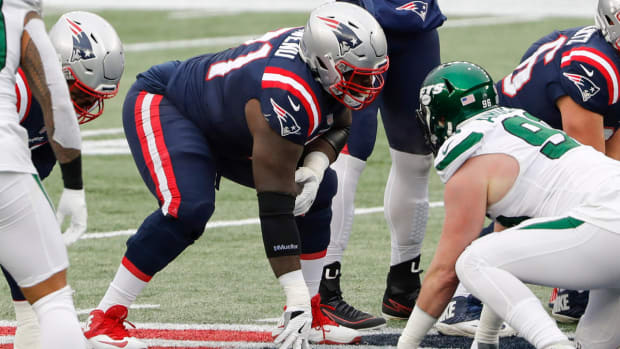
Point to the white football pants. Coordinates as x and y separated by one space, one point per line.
548 252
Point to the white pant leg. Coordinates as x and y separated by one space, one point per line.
31 245
495 267
599 327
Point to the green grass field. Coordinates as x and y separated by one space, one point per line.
225 277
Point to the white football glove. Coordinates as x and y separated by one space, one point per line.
309 176
73 203
295 327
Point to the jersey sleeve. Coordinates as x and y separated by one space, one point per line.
590 78
455 151
289 105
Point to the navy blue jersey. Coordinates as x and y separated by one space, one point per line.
575 62
405 16
31 118
212 90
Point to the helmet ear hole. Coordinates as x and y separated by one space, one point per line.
609 21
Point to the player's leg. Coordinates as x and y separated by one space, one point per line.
412 56
598 327
314 232
178 167
349 166
495 268
40 270
27 332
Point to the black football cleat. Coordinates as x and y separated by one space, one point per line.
337 309
403 287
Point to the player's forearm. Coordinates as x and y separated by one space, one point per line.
49 87
437 290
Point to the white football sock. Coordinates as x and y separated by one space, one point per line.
312 270
406 203
59 324
348 169
488 327
123 290
28 333
534 324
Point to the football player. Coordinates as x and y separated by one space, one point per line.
413 47
31 245
252 114
492 160
91 55
570 79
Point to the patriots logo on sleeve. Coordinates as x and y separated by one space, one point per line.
587 88
288 124
418 7
82 48
347 39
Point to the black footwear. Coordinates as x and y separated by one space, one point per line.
403 287
334 307
569 305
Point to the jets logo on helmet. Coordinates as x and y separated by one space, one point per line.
82 48
345 35
587 88
418 7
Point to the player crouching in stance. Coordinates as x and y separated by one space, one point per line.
91 56
492 160
251 113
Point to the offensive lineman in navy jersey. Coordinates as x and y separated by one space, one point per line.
413 46
571 80
270 114
87 90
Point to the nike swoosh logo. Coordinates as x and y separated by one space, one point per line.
296 107
116 344
589 73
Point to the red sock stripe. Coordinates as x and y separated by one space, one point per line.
312 256
135 271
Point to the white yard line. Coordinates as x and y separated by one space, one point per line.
232 223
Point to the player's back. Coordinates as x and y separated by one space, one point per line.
213 89
405 16
577 62
556 173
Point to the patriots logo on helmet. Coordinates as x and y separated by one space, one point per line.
418 7
288 124
587 88
82 48
347 39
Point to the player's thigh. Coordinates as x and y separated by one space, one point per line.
170 152
598 327
556 252
412 57
31 245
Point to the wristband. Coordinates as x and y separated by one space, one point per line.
72 174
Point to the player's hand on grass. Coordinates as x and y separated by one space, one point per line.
296 323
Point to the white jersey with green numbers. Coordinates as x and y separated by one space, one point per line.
14 152
557 175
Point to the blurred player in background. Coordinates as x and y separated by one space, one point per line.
91 55
32 248
413 47
506 164
269 114
571 80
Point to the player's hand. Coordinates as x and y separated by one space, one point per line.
296 322
309 181
72 203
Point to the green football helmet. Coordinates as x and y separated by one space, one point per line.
450 94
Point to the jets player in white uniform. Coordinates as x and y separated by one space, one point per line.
31 245
509 165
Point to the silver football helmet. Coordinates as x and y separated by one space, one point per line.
346 48
608 20
92 59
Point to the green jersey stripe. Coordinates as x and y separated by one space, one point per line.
459 149
562 223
